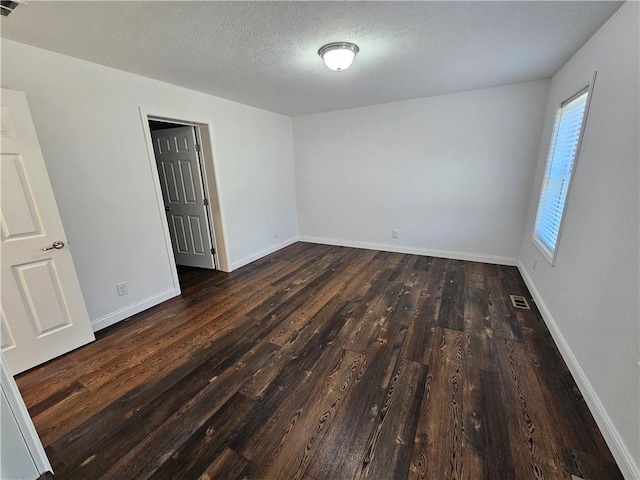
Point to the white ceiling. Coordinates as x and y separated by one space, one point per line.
265 53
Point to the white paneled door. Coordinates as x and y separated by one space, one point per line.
43 313
183 192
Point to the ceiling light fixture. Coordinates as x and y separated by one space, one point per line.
338 56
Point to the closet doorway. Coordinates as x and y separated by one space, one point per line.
178 161
182 164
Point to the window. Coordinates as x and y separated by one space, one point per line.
561 163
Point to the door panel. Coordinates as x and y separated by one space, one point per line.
180 234
169 183
43 312
197 242
39 287
21 219
183 193
7 337
188 186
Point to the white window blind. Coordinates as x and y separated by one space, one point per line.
561 161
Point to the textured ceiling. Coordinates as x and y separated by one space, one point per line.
265 53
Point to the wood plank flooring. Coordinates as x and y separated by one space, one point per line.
321 362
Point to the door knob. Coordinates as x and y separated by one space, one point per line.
57 245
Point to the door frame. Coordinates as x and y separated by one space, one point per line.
21 415
209 179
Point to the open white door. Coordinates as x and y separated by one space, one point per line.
43 313
183 192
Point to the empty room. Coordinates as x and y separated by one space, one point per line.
320 240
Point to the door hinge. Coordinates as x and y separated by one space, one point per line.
213 251
197 147
206 202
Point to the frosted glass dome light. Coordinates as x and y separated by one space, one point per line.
338 56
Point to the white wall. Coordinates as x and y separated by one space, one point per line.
89 126
452 174
591 297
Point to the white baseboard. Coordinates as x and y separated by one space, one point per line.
263 253
621 453
128 311
472 257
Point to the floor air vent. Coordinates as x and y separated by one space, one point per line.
519 302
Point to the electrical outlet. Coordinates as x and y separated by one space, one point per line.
394 233
534 264
276 234
122 288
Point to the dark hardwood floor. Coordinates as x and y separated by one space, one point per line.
321 362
